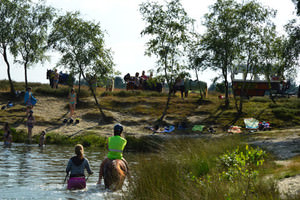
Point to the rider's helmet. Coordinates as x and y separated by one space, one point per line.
118 128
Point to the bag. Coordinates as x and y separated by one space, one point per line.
33 100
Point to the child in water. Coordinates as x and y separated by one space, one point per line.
76 166
30 123
7 139
42 139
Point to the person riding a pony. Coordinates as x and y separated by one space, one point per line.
116 145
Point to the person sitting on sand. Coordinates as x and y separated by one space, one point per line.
115 146
72 102
42 139
76 166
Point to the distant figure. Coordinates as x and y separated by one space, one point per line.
299 91
42 139
6 128
7 137
72 102
110 84
30 123
137 80
151 75
28 100
144 77
55 79
76 166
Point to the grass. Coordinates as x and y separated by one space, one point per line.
189 169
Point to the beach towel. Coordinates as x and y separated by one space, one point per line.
198 128
234 129
251 123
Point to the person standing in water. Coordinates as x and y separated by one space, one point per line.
72 102
42 139
7 139
30 123
76 166
116 145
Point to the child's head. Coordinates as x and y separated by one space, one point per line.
72 90
79 151
29 89
118 129
43 133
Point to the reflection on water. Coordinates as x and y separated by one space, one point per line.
31 172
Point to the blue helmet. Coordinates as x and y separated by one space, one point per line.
118 128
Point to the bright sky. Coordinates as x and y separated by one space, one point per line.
122 21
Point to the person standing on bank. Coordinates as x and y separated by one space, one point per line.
116 145
72 102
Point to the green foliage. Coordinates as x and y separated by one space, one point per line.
60 92
241 163
144 143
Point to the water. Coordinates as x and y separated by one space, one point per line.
31 172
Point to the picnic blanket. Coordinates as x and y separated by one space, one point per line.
198 128
251 123
234 129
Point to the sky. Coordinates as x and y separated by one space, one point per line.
123 24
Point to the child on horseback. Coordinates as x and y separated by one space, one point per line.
116 145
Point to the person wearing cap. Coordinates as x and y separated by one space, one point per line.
30 123
115 146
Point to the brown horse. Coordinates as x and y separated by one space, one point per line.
115 172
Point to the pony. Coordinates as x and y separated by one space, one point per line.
115 172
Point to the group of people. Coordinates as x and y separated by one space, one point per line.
139 80
77 164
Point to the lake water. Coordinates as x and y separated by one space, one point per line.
31 172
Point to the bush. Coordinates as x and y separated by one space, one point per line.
60 92
284 113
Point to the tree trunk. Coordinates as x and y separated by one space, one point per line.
25 71
166 108
94 94
226 87
79 85
12 89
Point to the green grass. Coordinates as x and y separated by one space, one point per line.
189 169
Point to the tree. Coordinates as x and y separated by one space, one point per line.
220 37
9 17
256 32
30 43
83 49
168 29
198 58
